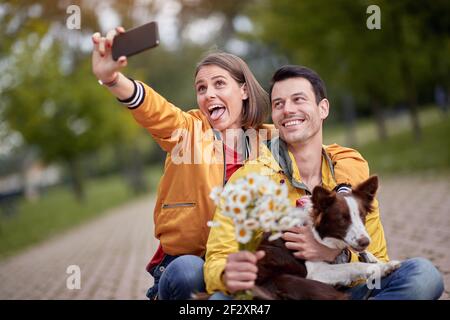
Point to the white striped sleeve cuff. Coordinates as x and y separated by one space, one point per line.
343 188
136 98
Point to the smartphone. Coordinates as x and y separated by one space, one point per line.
135 40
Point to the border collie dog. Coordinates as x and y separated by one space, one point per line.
337 221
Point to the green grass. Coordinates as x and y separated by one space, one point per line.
366 130
401 154
57 211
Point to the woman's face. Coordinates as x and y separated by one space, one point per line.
220 97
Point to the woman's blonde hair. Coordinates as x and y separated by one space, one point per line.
256 108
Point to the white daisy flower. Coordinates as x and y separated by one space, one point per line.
233 197
244 198
281 191
251 224
238 212
284 223
243 235
303 216
267 221
216 194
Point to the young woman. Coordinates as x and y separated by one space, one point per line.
204 147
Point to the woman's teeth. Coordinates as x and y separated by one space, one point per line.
216 111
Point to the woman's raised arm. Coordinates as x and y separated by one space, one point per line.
106 69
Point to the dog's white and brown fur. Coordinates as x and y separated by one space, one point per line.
337 220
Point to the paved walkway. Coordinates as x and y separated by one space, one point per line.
415 213
113 250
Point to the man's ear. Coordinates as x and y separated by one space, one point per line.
322 199
367 189
244 93
324 108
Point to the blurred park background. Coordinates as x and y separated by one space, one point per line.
69 152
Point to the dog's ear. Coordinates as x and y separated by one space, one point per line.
367 189
322 199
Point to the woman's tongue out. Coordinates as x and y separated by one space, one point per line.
217 113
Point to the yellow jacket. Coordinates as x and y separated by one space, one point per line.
221 241
183 206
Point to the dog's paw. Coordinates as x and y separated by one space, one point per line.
371 258
394 264
388 267
374 270
344 281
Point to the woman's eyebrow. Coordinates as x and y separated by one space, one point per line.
213 78
217 77
198 81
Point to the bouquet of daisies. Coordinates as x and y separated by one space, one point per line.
257 204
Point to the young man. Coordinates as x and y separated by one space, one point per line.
298 158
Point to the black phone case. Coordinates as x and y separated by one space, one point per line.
136 40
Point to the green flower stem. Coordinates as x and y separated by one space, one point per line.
250 246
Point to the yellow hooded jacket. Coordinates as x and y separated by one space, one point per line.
221 241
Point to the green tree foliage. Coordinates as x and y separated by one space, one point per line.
377 67
51 98
65 115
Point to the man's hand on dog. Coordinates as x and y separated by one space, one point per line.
302 241
241 271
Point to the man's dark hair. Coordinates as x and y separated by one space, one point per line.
293 71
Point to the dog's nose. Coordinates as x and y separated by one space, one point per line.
363 242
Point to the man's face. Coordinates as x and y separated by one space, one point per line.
295 112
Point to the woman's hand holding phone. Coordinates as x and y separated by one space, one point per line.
104 67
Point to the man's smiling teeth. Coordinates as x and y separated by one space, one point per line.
292 123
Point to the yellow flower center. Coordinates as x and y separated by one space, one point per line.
271 205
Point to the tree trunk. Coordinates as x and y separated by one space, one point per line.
131 167
136 171
447 101
380 120
77 179
415 123
411 100
407 76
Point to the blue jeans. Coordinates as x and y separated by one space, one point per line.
220 296
416 279
176 278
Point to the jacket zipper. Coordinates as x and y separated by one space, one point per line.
178 205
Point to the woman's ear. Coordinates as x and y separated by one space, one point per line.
244 93
324 108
